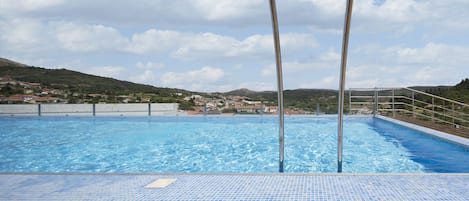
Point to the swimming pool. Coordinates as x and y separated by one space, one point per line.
219 144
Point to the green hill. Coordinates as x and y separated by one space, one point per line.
75 81
460 92
306 99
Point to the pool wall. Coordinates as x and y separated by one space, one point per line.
128 109
439 134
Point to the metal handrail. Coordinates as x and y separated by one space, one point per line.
435 96
343 64
444 112
278 59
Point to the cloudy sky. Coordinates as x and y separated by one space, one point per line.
221 45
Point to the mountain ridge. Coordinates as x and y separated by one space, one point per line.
85 83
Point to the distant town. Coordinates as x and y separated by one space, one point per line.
19 92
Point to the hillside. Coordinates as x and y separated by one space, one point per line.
76 87
75 81
460 92
305 99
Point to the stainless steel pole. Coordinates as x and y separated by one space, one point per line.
343 64
278 59
349 101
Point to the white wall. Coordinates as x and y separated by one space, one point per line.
134 109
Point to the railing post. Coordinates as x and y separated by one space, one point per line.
433 109
94 109
393 110
452 113
444 109
349 101
261 109
375 105
343 65
318 109
149 109
39 109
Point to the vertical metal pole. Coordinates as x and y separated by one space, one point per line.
343 64
375 101
318 109
452 112
413 104
444 109
149 109
39 109
349 101
261 109
433 109
393 110
278 59
94 109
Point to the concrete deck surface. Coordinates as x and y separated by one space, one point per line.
235 187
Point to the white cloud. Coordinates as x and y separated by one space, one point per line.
146 77
154 41
269 70
330 56
227 9
209 45
201 79
397 42
204 45
399 66
328 82
394 75
326 62
389 15
430 54
27 5
149 65
259 86
86 38
190 46
117 72
23 35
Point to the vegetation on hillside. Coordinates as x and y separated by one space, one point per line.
78 86
80 82
459 93
305 99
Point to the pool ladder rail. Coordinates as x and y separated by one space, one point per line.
278 59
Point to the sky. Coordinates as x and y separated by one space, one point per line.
222 45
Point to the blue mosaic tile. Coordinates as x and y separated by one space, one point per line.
235 187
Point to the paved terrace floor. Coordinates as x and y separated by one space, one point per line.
235 187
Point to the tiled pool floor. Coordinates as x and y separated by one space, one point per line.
235 187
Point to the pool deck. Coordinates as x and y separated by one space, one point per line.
194 186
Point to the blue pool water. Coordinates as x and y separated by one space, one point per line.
219 144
